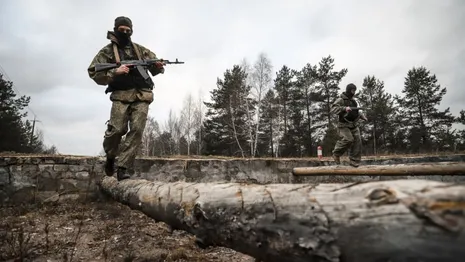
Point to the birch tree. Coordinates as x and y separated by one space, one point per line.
173 127
149 137
199 116
188 120
261 80
249 123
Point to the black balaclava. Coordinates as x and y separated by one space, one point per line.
123 38
350 87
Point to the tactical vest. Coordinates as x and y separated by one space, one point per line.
131 80
352 115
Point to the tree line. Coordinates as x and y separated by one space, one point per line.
255 114
17 133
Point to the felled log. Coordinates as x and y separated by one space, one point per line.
404 220
418 169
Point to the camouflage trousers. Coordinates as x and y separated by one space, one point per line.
349 140
124 115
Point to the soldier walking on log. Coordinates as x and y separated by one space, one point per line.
130 96
346 108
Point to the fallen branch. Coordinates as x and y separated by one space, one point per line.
404 220
419 169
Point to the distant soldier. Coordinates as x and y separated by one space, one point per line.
346 108
130 96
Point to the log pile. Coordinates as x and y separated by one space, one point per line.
404 220
418 169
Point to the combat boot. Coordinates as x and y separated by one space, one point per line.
354 163
337 159
110 166
122 174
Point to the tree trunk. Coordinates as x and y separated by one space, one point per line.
418 169
232 112
309 120
271 136
405 220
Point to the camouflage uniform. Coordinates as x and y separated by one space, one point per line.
130 97
348 128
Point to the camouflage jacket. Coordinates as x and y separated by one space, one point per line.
338 108
106 55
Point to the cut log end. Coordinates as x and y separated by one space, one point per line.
418 169
375 221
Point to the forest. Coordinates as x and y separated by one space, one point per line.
256 112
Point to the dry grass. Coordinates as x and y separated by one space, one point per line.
96 231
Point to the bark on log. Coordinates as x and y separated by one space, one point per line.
403 220
419 169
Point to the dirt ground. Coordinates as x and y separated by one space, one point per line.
96 231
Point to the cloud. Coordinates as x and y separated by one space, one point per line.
48 44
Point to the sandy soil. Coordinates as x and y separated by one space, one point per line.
96 231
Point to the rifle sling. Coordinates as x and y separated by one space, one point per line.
117 57
137 51
115 51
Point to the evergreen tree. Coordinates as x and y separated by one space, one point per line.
268 125
328 88
282 86
328 91
15 135
306 85
379 109
293 140
460 145
461 118
226 118
422 94
397 134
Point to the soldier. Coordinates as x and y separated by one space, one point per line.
130 96
348 127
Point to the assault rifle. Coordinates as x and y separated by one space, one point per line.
140 66
345 113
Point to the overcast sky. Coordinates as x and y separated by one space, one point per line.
47 45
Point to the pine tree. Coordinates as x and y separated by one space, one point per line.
282 86
422 95
379 109
327 91
461 118
268 125
328 88
293 140
307 79
226 118
460 144
14 133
